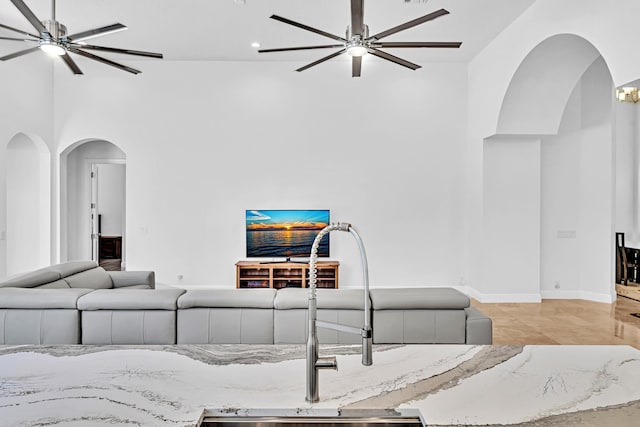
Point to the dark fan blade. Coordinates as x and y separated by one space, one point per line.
306 27
418 44
410 24
16 54
104 61
357 16
392 58
96 32
116 50
17 40
321 60
18 31
285 49
71 64
31 17
356 66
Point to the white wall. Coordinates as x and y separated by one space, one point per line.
603 27
627 161
28 198
578 196
205 141
26 107
511 221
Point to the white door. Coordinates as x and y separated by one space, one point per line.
95 219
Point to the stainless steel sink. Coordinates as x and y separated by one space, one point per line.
340 421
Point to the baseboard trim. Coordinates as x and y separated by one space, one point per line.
583 295
534 298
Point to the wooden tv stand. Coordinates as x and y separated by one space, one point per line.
253 274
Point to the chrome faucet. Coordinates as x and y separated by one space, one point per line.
315 363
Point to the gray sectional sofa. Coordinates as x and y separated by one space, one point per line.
80 303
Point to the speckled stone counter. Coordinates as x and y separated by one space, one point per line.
446 385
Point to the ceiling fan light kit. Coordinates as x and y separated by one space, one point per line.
51 45
358 43
52 38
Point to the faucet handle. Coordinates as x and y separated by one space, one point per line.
327 363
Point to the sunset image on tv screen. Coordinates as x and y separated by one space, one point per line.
285 233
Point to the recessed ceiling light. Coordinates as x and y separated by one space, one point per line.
255 45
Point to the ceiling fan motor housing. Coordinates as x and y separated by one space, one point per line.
56 29
364 33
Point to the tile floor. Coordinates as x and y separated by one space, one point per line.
565 322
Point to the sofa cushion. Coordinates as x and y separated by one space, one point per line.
292 326
228 298
225 325
39 326
128 279
429 326
96 278
345 299
131 299
418 298
146 327
58 284
73 267
19 298
32 279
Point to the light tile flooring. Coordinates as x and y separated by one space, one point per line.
565 322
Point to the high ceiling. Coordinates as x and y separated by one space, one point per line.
203 30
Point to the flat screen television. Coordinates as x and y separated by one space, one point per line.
285 233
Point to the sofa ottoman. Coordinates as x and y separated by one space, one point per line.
129 316
226 316
420 316
342 306
40 316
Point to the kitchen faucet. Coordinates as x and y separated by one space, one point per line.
315 363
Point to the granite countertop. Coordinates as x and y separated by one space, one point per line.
445 384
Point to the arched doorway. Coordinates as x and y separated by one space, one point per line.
28 215
93 203
549 177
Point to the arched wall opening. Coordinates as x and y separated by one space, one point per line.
549 179
92 195
28 205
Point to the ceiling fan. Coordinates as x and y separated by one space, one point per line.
358 42
52 38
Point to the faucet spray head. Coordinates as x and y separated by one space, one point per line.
342 226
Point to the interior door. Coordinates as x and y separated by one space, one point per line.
95 219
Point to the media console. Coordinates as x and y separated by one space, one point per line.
256 274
